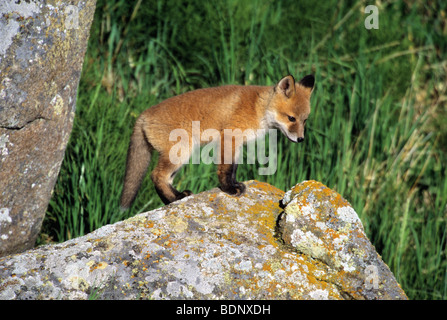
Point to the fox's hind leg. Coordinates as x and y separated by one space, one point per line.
162 176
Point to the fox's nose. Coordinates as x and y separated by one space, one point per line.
300 139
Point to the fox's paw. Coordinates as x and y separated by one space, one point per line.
183 194
187 193
236 189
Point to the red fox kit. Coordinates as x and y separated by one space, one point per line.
285 106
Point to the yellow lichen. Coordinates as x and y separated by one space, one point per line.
96 265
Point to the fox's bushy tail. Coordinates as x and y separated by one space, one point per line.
138 159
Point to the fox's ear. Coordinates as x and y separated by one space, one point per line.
287 86
308 83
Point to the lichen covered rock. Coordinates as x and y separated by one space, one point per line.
211 246
320 224
42 46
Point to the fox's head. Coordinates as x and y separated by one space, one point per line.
289 106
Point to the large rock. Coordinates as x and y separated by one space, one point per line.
42 46
214 246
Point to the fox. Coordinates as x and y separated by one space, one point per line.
284 106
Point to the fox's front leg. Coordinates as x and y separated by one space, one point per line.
227 179
226 170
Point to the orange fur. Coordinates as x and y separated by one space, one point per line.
285 106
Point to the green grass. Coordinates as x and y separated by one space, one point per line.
376 134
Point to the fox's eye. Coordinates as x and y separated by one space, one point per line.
292 119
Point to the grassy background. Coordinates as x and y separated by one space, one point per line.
377 133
